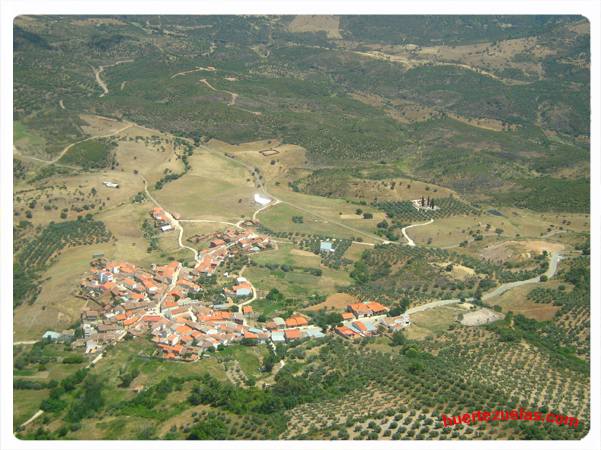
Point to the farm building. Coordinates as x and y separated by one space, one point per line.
326 246
262 200
51 336
243 289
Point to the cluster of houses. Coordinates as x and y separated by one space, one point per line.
228 244
366 319
161 219
165 304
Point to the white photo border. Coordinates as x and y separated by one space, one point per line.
10 9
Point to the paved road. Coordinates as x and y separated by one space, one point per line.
410 242
500 290
555 258
432 305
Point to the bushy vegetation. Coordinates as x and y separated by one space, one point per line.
39 251
550 194
93 154
405 212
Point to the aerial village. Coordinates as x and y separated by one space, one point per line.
166 303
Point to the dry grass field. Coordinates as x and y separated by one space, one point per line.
275 160
146 151
56 307
313 24
214 189
433 321
451 231
516 301
336 302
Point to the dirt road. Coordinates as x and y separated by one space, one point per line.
410 241
70 146
174 222
98 71
232 94
500 290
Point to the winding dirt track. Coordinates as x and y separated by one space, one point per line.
233 94
410 241
100 69
198 69
500 290
416 63
172 220
70 146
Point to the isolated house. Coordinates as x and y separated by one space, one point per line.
326 246
243 289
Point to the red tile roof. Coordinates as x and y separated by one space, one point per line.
377 307
184 329
151 318
249 335
345 331
292 334
360 326
296 321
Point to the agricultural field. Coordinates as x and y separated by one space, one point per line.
437 166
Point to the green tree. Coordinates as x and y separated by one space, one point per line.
398 338
211 428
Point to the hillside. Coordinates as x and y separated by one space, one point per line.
274 227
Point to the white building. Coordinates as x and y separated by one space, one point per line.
262 200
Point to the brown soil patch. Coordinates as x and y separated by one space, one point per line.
539 246
486 124
582 27
516 300
335 301
459 272
522 249
315 24
481 317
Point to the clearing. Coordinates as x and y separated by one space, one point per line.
337 301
